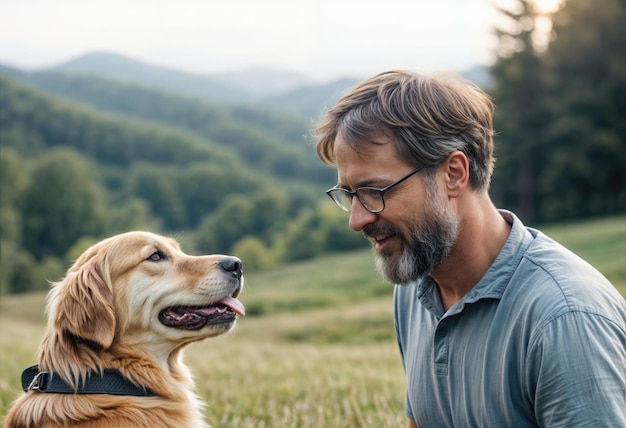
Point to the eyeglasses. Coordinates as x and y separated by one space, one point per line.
370 197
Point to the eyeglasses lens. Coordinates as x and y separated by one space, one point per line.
342 198
371 199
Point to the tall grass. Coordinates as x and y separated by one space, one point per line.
317 348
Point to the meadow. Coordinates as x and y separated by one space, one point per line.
317 347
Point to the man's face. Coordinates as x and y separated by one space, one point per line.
417 229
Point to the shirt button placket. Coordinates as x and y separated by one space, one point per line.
441 349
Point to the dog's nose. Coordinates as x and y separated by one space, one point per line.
231 264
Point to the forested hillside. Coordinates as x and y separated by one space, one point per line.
72 173
263 139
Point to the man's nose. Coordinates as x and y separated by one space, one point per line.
360 216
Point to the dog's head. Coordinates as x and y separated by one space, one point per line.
141 288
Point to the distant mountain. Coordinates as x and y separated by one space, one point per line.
119 67
281 91
262 81
227 86
251 86
310 101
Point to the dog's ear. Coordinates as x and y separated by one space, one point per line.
82 303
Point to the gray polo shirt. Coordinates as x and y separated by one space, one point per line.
539 341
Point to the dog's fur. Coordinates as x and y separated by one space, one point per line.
111 297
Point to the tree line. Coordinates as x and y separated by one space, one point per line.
54 206
560 95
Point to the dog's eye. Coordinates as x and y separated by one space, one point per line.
157 256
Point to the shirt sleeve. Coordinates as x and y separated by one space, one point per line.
576 372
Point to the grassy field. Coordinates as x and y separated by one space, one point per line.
317 347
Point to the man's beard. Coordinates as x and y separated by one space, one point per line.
429 243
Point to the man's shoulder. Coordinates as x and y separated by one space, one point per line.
554 278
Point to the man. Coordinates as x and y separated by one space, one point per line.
498 325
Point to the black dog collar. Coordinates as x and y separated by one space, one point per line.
109 382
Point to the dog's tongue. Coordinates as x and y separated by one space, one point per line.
234 304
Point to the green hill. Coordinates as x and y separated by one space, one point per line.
83 158
272 143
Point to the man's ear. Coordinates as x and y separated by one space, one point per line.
457 173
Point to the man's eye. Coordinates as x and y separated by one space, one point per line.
156 256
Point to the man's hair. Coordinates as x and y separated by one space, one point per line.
427 117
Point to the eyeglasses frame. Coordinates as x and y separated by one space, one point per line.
380 191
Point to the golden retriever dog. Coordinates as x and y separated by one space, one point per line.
117 325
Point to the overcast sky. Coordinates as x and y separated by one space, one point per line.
323 39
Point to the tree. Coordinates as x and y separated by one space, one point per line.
203 186
13 182
157 185
271 214
520 116
131 214
62 203
317 230
337 234
301 238
233 220
560 113
254 254
586 67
